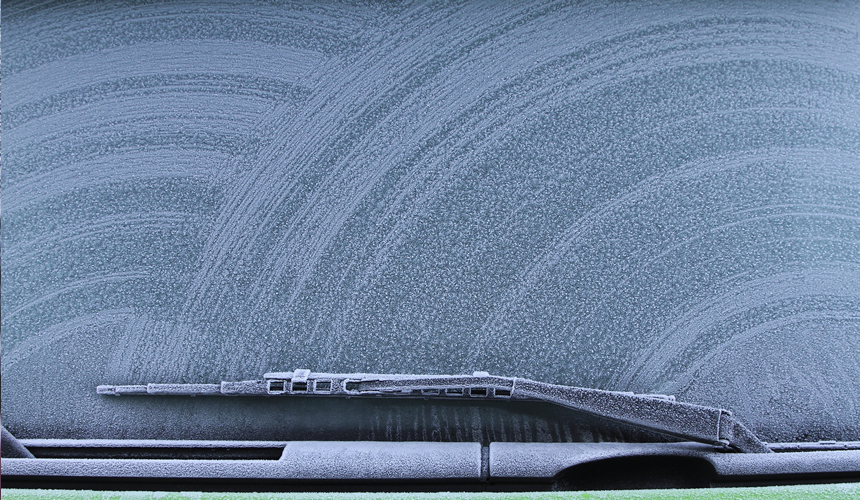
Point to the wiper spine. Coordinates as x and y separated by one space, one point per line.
653 412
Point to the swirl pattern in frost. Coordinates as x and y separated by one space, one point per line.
649 197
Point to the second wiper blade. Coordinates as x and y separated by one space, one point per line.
653 412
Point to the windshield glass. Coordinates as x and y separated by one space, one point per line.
657 197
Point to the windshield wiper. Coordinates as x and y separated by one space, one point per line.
653 412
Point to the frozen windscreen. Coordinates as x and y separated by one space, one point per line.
651 197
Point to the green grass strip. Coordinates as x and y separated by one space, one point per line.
817 491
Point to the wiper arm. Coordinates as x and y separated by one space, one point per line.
11 447
657 413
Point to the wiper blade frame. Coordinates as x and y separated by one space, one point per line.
657 413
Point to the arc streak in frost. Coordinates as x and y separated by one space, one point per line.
649 411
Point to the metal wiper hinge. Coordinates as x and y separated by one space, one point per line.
653 412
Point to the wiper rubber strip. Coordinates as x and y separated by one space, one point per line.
657 413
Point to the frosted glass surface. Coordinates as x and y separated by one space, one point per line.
656 197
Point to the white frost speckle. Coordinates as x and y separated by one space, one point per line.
627 197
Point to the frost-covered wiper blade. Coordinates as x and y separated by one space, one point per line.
653 412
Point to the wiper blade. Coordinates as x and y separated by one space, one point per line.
657 413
